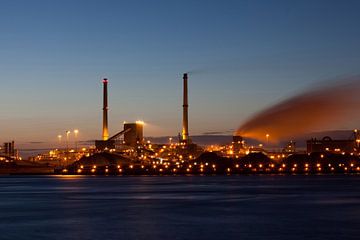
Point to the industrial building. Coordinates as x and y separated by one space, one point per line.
133 133
327 144
131 136
127 152
9 149
290 147
237 144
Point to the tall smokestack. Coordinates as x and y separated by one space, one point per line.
185 128
105 134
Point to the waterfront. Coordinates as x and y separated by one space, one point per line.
178 207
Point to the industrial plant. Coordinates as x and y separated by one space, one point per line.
127 151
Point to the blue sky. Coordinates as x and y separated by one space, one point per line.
242 56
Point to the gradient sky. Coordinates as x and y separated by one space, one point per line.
242 56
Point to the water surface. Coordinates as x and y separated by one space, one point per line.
180 207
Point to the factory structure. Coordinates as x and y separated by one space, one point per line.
313 145
127 151
132 133
105 129
327 144
131 137
8 151
185 127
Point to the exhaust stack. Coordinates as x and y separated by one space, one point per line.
105 132
185 127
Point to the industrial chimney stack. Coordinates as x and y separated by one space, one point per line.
185 128
105 134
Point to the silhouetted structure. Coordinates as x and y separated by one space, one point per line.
290 147
105 134
185 127
133 133
237 144
329 145
9 149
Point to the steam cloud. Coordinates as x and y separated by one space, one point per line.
322 107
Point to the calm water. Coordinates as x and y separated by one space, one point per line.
192 207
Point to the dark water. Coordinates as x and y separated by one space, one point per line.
192 207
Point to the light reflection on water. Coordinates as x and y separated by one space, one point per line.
174 207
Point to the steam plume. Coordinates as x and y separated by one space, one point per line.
325 106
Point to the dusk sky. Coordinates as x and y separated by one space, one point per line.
242 56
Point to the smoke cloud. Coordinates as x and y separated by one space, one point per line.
322 107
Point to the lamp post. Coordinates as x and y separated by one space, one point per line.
76 132
67 140
59 138
267 138
357 140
